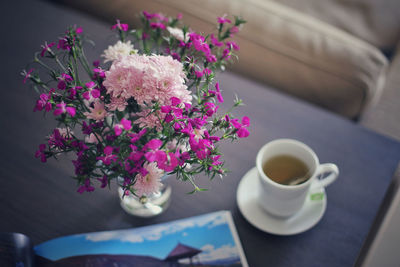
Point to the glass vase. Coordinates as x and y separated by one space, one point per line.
146 206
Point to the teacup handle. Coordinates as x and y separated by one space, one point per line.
326 168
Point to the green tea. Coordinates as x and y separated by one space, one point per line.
286 170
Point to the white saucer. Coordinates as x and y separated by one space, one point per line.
307 217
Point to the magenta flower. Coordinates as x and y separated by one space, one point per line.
210 108
46 48
99 73
123 125
85 187
223 20
62 108
43 102
243 132
246 121
168 163
234 29
120 26
109 156
28 75
232 45
198 74
103 180
218 93
63 44
136 136
226 54
154 154
63 80
215 41
157 25
148 15
79 30
40 153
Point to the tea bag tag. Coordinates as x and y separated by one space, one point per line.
317 196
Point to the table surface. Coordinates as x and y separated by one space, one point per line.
40 200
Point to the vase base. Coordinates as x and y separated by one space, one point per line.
152 206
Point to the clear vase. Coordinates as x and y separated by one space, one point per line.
146 206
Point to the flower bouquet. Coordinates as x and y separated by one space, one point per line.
151 109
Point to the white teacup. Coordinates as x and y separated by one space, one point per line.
285 200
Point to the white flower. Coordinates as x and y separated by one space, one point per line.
178 34
113 52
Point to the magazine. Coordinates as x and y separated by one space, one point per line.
206 240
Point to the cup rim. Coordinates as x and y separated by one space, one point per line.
265 178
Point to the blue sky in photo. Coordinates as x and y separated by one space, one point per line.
209 233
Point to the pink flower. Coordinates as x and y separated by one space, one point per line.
93 138
62 108
149 183
120 26
97 113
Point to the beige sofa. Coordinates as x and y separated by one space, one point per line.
291 45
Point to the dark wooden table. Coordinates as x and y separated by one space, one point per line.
40 200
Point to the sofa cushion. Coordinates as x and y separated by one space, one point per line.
376 22
295 53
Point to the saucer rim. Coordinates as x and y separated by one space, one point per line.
253 220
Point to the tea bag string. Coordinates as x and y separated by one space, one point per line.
299 180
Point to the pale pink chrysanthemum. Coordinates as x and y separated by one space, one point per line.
147 79
178 34
117 103
151 182
149 120
125 77
166 79
114 52
97 113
